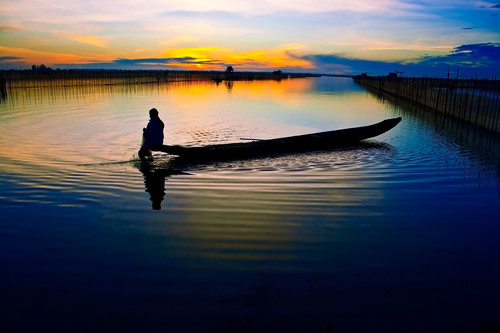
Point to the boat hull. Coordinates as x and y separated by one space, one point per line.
293 144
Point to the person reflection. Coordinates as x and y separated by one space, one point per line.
155 185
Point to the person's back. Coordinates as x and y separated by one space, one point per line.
152 134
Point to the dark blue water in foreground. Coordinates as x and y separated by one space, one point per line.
399 235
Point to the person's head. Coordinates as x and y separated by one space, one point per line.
153 113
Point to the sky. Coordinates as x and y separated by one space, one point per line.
460 38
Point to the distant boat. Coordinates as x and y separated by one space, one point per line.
292 144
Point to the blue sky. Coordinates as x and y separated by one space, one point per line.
417 37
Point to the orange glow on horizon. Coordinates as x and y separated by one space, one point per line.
210 58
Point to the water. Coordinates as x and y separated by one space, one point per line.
397 235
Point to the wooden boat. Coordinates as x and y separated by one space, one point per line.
292 144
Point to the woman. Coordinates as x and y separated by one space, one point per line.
152 135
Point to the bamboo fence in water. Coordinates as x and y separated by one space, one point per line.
12 79
474 101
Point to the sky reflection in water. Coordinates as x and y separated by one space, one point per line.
400 235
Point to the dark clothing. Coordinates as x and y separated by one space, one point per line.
152 135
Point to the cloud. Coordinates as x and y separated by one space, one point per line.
471 55
9 28
339 64
209 58
8 58
25 57
91 40
154 61
248 34
98 10
482 59
146 63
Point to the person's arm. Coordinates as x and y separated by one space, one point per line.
146 130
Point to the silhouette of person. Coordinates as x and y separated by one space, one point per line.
152 135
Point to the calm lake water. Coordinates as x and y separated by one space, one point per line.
401 234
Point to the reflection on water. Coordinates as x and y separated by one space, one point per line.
155 184
157 171
155 174
396 231
458 135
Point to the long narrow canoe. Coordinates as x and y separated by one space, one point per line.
292 144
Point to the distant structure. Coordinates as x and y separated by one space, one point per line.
395 75
229 69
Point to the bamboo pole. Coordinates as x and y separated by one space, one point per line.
473 101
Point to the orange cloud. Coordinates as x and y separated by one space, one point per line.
91 40
202 53
86 39
45 57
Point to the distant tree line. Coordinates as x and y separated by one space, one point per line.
41 68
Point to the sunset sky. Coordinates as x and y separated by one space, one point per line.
417 37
